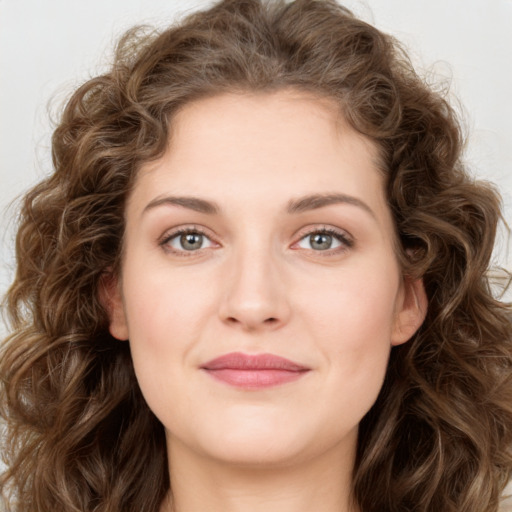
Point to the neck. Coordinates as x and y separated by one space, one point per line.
200 484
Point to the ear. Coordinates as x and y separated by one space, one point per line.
111 299
411 310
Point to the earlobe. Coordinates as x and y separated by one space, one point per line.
411 312
111 299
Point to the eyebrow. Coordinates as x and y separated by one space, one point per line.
314 201
192 203
294 206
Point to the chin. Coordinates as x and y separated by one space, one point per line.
265 443
262 452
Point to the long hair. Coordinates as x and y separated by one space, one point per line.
438 437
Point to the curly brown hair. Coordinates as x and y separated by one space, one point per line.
439 436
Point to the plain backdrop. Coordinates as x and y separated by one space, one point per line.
48 47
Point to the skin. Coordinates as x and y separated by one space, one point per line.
259 284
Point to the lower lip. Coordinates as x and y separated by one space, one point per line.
255 379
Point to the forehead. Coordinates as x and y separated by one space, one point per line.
300 119
272 145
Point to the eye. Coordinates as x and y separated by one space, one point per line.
186 240
325 240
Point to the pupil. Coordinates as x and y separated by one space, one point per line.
321 241
191 241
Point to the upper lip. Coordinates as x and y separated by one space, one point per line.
240 361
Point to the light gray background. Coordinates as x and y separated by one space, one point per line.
48 47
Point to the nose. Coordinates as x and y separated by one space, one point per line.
255 293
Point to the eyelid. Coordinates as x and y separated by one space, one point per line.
345 238
168 235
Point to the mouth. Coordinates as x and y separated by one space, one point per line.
254 371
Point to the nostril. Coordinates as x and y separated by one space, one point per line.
267 321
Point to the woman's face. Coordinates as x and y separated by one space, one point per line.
263 231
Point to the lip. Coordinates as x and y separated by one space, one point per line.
254 371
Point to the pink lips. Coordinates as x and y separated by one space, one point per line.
254 371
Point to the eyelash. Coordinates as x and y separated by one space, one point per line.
340 236
345 241
178 232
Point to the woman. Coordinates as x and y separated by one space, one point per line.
257 280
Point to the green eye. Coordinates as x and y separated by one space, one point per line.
324 240
187 240
191 241
321 241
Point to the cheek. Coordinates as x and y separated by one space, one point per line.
164 312
352 321
357 308
162 305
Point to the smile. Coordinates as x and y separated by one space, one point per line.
254 371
